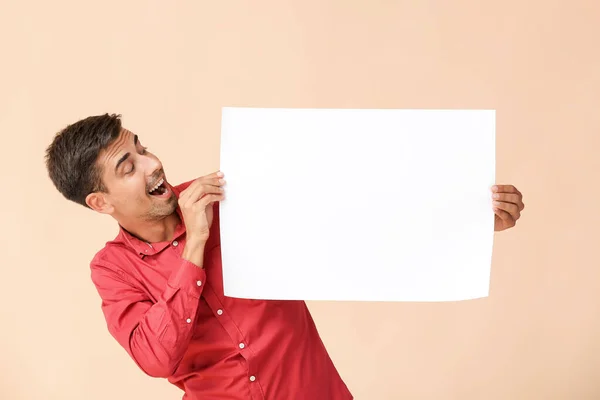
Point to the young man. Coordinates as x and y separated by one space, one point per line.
160 278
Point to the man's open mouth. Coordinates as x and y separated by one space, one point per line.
159 188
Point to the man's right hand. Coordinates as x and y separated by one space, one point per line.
196 203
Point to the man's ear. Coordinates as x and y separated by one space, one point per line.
97 201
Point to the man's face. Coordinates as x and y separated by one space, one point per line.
135 181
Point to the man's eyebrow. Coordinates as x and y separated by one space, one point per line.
126 155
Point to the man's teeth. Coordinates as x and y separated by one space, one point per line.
157 185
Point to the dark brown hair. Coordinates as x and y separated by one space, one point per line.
72 155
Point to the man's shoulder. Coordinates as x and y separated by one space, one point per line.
111 253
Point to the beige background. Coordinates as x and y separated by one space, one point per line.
169 66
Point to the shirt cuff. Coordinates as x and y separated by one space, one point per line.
188 277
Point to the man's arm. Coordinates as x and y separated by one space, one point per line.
156 335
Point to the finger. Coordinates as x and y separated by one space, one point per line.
203 190
214 175
210 198
505 189
198 192
510 198
215 181
191 192
511 208
506 218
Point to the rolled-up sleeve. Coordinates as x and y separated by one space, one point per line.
155 334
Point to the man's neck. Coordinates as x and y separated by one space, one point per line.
153 231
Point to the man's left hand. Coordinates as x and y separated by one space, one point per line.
508 205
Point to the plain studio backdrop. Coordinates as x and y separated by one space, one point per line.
169 67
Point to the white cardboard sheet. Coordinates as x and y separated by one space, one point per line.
357 204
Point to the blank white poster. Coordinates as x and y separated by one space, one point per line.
357 204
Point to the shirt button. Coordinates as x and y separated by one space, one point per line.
175 243
242 345
252 378
220 312
199 283
189 320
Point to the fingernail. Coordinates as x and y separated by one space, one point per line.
494 188
220 173
496 203
496 196
221 181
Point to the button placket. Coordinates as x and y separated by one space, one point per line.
244 348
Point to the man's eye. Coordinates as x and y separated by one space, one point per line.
131 169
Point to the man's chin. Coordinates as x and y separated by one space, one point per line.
162 208
169 203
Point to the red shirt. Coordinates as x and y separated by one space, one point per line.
174 321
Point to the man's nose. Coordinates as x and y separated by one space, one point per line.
152 165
